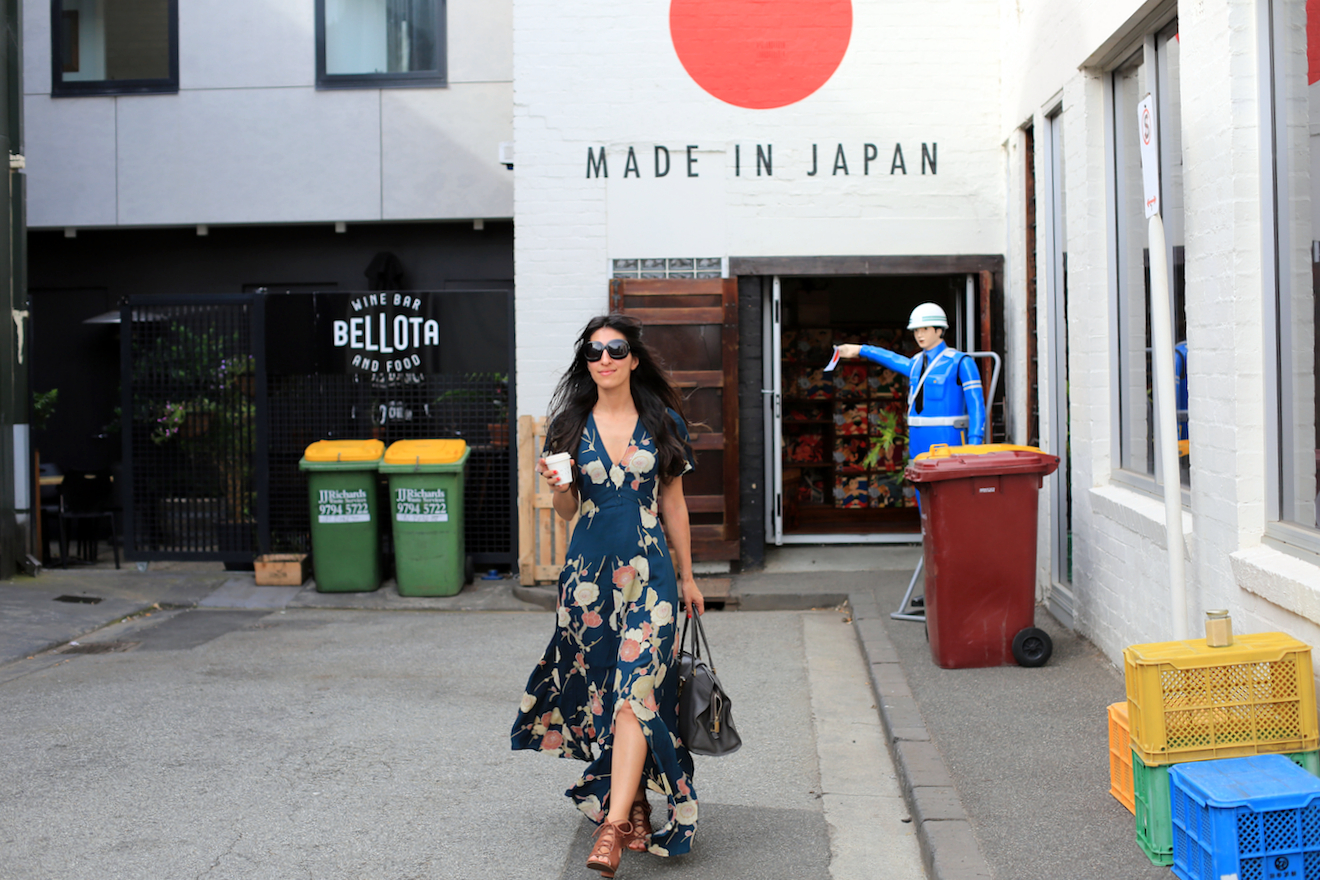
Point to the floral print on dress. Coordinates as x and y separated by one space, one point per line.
615 639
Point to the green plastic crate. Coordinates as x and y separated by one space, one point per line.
1150 789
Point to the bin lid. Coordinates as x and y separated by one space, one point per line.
957 462
345 450
417 452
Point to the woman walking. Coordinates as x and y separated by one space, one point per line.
609 676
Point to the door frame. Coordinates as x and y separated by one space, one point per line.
1061 600
988 269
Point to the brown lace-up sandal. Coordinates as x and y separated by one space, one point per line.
608 849
640 817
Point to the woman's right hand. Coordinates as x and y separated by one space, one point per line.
850 350
552 476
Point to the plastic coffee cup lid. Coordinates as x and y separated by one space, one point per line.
557 457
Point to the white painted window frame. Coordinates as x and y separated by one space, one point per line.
1289 537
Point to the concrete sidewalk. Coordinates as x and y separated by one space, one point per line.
1004 771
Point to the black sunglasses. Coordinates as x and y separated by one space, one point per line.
618 349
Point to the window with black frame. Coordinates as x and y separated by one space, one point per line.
374 43
114 47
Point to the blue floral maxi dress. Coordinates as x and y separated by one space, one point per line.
615 639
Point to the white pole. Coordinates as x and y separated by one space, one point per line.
1166 420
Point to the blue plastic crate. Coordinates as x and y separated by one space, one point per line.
1153 810
1254 818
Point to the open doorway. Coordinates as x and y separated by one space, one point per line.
840 435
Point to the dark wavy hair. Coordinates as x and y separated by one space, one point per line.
652 392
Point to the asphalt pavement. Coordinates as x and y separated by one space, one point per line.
182 721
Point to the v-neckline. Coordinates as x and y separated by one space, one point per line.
605 450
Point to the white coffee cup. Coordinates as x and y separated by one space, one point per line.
560 463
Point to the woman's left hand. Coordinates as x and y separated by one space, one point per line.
692 597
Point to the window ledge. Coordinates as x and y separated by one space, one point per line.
381 81
1279 578
1139 513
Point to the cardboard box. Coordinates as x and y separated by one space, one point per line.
282 569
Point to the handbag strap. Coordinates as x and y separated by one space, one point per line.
683 638
698 640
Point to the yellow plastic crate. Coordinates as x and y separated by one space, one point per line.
1190 702
1120 757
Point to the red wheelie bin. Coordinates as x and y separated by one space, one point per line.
978 525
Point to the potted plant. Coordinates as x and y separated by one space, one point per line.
499 429
43 407
488 394
886 440
204 420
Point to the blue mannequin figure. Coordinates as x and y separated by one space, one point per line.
1180 386
936 412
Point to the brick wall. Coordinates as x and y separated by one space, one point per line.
1120 558
589 77
593 78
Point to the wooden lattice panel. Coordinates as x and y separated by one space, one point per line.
542 534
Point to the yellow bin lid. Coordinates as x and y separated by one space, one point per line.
940 450
345 450
417 452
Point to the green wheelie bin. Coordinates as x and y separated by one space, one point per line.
426 510
341 489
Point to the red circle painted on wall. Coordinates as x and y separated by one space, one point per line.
760 54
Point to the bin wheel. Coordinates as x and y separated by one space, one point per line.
1032 647
469 571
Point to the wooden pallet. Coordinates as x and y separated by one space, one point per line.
542 534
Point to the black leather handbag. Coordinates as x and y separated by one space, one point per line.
705 712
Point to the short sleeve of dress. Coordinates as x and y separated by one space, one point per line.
680 428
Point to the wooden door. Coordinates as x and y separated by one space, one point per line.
692 326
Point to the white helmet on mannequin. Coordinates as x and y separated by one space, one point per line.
928 315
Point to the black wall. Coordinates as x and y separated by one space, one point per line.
73 279
751 423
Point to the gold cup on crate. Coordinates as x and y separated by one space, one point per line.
1218 628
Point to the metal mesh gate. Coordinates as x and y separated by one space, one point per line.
190 417
216 433
470 406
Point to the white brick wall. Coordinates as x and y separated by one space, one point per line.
592 77
589 76
1120 560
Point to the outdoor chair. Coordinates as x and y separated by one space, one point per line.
49 508
87 500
